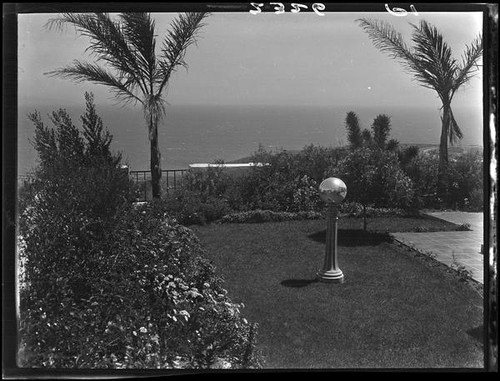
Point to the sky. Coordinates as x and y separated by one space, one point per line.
262 59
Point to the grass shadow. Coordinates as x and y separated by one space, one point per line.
353 237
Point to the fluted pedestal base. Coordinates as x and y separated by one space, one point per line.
330 272
330 276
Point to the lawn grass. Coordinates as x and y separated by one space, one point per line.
394 310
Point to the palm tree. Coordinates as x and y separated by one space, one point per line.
432 65
137 75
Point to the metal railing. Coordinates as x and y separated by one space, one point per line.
170 180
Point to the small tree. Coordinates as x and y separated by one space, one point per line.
354 136
381 128
77 170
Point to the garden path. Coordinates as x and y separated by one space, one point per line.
452 247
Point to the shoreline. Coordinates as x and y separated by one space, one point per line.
424 148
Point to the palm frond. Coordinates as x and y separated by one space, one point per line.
388 40
107 42
139 30
450 125
183 33
471 56
436 66
454 131
84 71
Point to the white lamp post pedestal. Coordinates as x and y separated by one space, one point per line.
332 191
331 271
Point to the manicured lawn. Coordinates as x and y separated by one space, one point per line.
396 309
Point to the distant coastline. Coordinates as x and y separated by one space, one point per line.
204 134
427 148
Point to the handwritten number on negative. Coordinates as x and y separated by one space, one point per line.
280 8
400 11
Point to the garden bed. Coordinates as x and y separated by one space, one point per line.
394 309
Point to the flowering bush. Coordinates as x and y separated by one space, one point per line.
131 292
106 284
305 196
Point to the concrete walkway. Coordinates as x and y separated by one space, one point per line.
452 247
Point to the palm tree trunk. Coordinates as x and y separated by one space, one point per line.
443 151
155 164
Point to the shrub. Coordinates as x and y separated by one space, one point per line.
133 292
354 209
423 170
465 175
193 207
290 180
464 189
374 177
474 202
214 182
259 216
77 172
314 161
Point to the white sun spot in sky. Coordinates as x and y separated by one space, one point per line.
369 87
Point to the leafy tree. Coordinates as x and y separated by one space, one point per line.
353 130
374 177
137 75
431 63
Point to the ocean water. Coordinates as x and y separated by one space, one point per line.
202 134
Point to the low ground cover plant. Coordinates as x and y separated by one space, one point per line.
268 216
